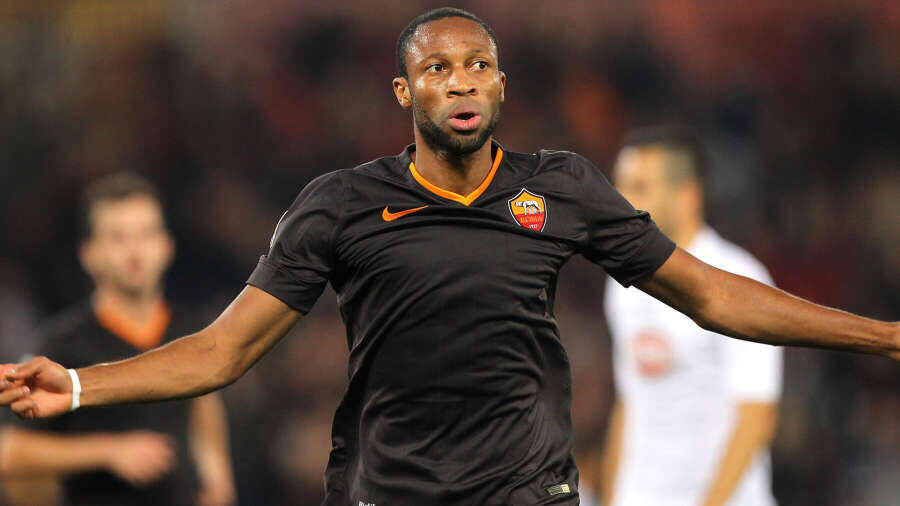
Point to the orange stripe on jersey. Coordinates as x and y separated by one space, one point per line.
142 336
464 200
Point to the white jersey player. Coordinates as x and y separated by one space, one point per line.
695 410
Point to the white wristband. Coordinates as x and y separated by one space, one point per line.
76 390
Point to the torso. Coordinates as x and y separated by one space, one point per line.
459 387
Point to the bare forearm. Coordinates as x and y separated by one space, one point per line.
28 452
189 366
753 431
196 364
741 307
744 308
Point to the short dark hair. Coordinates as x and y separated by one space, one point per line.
116 186
678 138
434 15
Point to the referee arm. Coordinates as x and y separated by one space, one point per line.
193 365
740 307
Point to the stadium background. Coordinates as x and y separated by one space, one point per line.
231 107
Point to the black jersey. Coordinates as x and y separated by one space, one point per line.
459 390
77 339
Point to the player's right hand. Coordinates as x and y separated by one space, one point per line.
140 457
39 388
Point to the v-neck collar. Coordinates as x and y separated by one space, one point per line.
141 336
447 194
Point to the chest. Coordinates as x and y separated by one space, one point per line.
509 235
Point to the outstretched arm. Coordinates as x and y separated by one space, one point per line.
193 365
740 307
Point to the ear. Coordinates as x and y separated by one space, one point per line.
401 91
502 86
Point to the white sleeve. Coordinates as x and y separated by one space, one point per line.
755 369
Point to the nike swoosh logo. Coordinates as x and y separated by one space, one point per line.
389 216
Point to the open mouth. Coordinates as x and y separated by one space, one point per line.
465 121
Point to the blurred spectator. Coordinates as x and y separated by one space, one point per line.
142 454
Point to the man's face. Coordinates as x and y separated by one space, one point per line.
641 177
454 85
129 247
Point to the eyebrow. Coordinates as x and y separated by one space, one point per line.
439 54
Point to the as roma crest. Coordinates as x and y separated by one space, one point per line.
529 210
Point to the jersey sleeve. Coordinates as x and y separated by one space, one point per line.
755 370
619 238
300 258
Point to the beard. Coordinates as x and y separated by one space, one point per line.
454 145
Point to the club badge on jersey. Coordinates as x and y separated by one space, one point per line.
653 353
529 210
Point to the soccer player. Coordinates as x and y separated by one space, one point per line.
445 258
694 412
143 454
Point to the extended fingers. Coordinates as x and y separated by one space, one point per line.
12 395
27 370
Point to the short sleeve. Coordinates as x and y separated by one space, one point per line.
755 372
300 258
619 238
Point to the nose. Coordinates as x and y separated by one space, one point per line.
459 83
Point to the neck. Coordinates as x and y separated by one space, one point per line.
460 174
136 307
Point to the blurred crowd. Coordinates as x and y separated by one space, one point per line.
231 107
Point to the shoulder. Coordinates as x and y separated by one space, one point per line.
324 191
565 171
549 160
391 168
57 332
565 161
66 323
327 183
332 185
576 172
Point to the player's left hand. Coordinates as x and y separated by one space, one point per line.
39 388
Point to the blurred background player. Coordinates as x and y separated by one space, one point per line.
695 413
144 454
